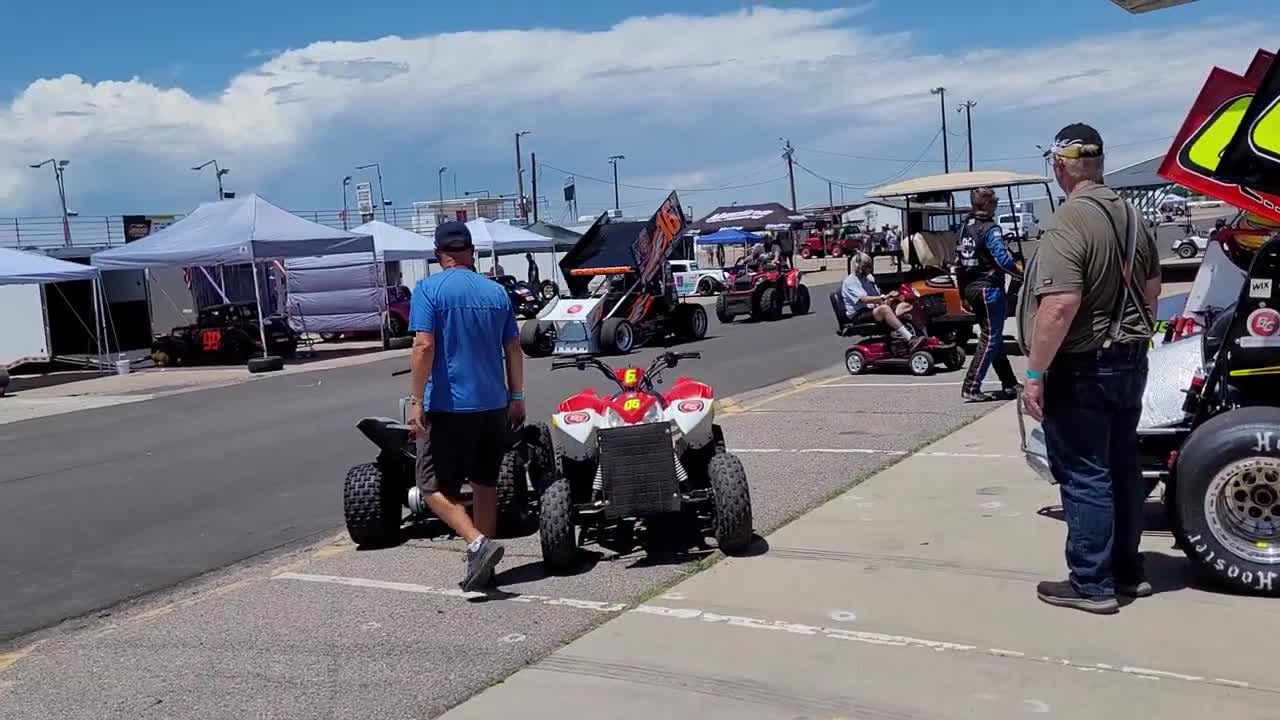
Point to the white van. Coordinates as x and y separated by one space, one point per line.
1026 227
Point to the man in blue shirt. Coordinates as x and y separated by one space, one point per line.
467 393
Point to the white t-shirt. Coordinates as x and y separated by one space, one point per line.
853 289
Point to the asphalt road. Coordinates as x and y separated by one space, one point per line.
104 505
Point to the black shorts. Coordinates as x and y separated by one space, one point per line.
461 447
863 314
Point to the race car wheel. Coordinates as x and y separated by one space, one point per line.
1226 500
691 321
556 528
1186 251
237 347
770 304
513 493
617 336
920 363
855 362
537 339
396 326
954 359
722 310
371 506
801 303
732 502
549 290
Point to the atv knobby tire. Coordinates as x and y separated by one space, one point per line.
732 498
722 310
1229 471
801 303
513 493
556 528
770 304
371 506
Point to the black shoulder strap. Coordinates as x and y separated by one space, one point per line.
1127 245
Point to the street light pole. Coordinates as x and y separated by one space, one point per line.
218 172
946 151
440 179
520 209
345 182
60 167
968 106
613 160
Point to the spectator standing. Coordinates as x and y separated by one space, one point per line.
466 395
1089 300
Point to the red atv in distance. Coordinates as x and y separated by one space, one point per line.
761 291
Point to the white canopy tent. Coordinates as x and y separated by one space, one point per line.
393 243
493 239
25 268
232 232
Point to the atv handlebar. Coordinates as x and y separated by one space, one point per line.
660 363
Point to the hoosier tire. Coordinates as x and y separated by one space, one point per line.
371 507
556 528
617 336
732 501
722 310
534 340
513 493
691 322
1225 502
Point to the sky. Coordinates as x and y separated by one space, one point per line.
292 94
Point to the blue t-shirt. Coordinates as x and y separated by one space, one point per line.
471 319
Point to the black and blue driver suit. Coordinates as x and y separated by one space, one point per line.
983 260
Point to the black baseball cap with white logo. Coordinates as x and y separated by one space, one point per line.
1076 141
453 235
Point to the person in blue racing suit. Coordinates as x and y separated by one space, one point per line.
983 260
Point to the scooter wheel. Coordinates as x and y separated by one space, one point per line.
921 363
855 362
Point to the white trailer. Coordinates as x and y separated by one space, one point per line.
24 329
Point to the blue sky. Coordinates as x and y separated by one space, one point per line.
719 128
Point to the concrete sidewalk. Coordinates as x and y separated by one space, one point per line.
913 596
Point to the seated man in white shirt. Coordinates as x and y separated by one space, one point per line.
863 302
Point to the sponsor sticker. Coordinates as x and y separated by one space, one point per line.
688 406
1260 288
577 418
574 309
1264 322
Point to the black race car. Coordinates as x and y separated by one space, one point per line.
224 335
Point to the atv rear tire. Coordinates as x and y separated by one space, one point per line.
691 321
722 310
801 303
534 339
732 498
513 493
617 336
770 304
1226 500
371 506
542 457
556 528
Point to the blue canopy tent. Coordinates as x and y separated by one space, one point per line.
232 232
729 237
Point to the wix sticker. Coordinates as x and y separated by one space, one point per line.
1046 282
1260 288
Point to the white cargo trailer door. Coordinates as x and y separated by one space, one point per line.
23 336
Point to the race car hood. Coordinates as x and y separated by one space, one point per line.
571 309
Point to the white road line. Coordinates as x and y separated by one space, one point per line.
873 451
891 384
744 622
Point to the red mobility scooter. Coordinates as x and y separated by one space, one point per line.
878 346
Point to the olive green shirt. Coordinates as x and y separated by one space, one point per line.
1080 253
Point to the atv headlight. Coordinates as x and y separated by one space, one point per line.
652 415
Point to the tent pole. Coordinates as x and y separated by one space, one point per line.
380 277
97 325
262 317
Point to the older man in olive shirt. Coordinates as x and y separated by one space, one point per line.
1091 292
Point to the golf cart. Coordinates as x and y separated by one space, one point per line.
935 251
621 291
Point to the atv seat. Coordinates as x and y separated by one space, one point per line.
847 328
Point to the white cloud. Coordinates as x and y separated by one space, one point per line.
689 99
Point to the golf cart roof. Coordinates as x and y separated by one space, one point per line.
956 182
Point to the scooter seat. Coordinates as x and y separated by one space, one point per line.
848 328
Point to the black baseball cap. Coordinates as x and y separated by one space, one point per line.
1076 141
453 235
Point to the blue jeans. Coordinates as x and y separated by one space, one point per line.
1092 404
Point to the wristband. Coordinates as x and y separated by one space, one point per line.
517 396
1037 375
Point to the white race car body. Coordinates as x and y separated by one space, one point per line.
576 328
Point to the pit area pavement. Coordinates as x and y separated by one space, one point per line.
333 631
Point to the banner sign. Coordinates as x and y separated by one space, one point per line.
364 201
570 189
137 227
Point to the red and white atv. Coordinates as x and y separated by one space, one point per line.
641 455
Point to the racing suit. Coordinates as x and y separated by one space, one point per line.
983 259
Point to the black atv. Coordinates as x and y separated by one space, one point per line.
376 495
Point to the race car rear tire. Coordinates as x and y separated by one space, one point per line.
1228 478
371 507
271 363
237 347
731 496
801 303
617 336
513 493
770 304
556 530
722 310
535 340
691 321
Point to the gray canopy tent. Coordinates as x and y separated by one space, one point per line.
233 232
26 268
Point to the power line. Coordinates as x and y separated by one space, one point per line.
990 159
666 189
859 186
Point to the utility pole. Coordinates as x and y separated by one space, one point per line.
968 106
613 160
946 152
455 185
787 153
520 207
533 161
831 198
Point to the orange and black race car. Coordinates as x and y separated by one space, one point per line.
224 335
